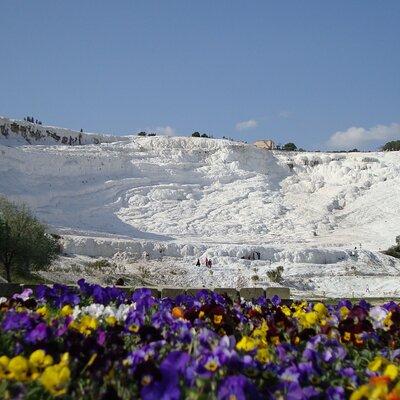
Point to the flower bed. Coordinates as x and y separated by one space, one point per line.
101 343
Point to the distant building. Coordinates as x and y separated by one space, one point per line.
265 144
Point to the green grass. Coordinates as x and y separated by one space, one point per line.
27 277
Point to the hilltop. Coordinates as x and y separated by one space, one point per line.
323 216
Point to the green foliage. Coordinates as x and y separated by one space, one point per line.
394 145
203 135
289 147
394 251
101 264
275 275
24 243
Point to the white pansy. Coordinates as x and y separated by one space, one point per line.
99 311
378 315
94 310
76 312
123 311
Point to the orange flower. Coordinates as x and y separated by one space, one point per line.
379 380
177 312
393 395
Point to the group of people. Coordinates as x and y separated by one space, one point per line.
207 262
72 141
255 255
33 120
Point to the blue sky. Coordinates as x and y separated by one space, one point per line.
321 74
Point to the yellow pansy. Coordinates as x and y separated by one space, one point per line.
18 368
376 363
347 336
4 361
388 319
111 320
391 371
64 359
320 309
361 392
247 343
86 325
311 317
379 392
39 359
55 379
43 311
66 310
344 311
263 356
286 311
261 331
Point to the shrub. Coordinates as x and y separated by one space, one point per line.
289 147
198 134
394 145
275 275
394 251
100 264
24 242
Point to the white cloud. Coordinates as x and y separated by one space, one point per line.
357 136
244 125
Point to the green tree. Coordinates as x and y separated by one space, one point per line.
394 251
24 243
196 134
289 147
392 146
